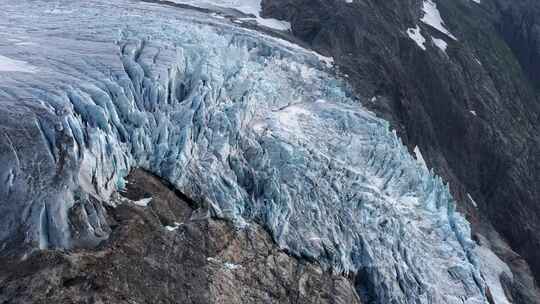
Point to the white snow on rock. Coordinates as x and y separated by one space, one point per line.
171 228
143 202
174 227
441 44
432 17
416 36
248 7
472 200
11 65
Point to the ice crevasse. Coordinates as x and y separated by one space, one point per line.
253 126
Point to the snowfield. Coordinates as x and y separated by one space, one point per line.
255 127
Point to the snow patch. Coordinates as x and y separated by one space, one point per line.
441 44
143 202
174 227
416 36
432 17
472 201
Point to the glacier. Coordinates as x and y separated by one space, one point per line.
255 127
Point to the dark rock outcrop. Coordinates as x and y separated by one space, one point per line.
170 252
472 109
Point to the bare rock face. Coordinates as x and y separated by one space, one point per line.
170 251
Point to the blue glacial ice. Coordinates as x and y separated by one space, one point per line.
255 127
